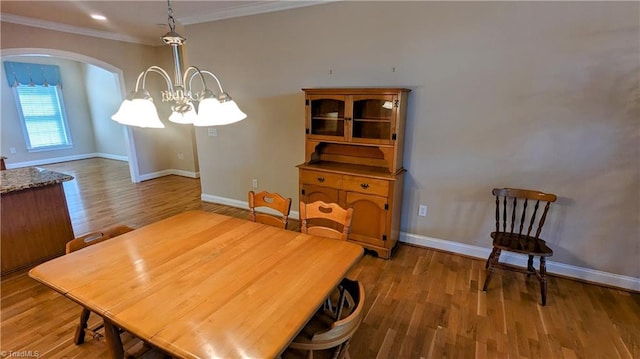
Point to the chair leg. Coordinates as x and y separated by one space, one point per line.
493 253
530 268
80 329
543 280
492 261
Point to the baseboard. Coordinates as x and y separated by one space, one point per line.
112 157
241 204
152 175
567 270
48 161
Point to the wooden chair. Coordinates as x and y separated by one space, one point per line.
331 330
329 211
79 243
273 201
520 208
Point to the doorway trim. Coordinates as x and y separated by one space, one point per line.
119 76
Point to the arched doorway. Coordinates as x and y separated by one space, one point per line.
118 76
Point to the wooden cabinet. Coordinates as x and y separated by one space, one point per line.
353 157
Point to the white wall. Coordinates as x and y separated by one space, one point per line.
104 98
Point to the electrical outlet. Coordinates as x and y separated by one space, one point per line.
181 156
422 210
213 132
254 183
12 150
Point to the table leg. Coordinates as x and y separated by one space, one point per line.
114 343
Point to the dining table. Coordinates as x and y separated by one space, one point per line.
203 285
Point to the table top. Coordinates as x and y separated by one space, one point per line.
204 285
18 179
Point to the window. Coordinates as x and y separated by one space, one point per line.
43 118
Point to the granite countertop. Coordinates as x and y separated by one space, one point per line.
18 179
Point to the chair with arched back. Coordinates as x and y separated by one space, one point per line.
520 216
330 332
328 211
273 201
77 244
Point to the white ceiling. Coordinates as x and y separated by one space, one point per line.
133 21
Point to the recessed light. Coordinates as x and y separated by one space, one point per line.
98 17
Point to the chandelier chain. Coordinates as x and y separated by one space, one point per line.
172 21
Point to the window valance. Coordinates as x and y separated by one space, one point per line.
22 73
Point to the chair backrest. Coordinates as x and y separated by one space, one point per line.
516 211
269 200
329 211
343 329
92 238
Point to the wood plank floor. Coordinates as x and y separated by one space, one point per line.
421 304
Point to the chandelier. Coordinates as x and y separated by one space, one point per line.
138 109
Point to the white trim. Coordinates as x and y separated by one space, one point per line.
250 9
152 175
566 270
186 173
112 157
241 204
48 161
50 25
238 11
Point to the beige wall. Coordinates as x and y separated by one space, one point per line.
538 95
153 150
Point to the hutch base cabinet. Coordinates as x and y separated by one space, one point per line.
353 156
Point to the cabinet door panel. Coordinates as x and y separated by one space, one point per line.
369 217
326 117
311 193
373 118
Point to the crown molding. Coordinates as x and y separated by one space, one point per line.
49 25
250 9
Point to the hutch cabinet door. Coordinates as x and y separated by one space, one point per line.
374 119
369 220
327 117
311 193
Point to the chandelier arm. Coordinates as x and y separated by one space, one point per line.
143 76
215 77
196 71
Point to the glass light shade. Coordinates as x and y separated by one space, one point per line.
125 108
208 113
184 118
230 113
211 112
138 112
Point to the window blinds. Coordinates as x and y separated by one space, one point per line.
42 116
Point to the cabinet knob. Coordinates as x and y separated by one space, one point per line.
364 185
320 179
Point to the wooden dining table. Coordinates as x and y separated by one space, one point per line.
204 285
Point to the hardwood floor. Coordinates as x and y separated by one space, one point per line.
422 303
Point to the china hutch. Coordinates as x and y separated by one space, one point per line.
354 139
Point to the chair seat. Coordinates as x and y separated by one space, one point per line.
521 243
